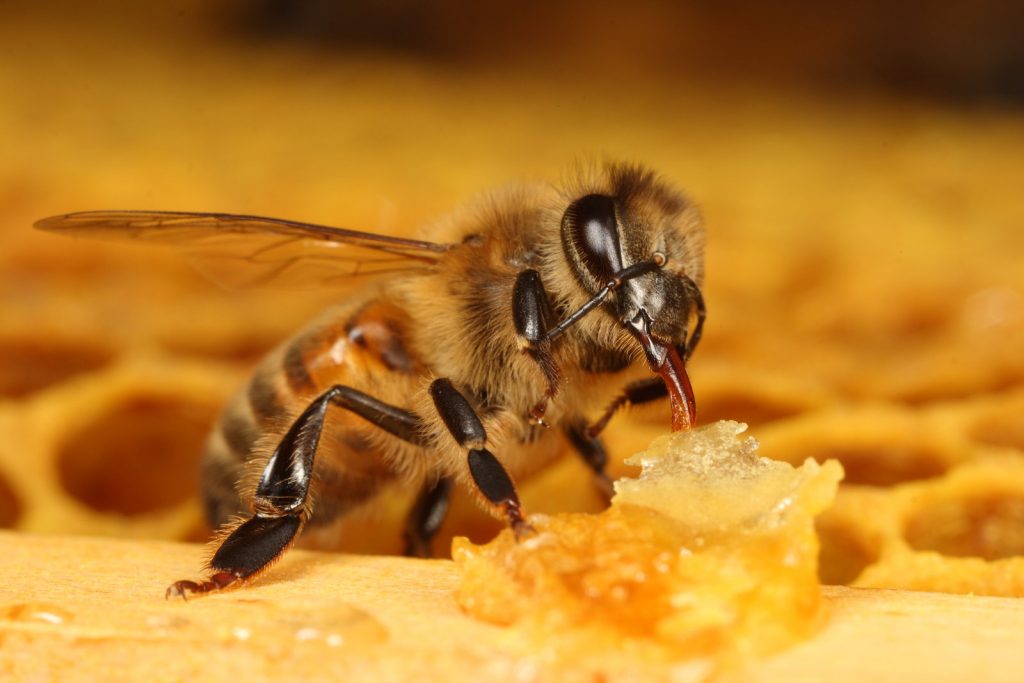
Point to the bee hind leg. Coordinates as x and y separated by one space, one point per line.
281 502
247 550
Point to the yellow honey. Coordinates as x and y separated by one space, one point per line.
710 553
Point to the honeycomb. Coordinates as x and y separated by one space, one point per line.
865 294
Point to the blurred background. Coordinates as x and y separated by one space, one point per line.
859 165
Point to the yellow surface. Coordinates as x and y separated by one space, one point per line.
81 609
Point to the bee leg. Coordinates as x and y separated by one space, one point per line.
488 474
592 450
700 310
281 502
533 317
247 550
636 393
426 516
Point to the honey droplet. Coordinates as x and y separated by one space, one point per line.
340 626
37 611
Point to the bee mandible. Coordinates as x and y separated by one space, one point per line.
459 360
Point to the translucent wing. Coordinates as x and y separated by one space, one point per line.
240 251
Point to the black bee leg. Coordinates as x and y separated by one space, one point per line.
278 508
700 310
635 393
281 502
592 450
426 516
533 317
488 474
247 550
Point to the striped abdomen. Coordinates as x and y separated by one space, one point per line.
361 345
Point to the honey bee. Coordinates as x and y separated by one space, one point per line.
460 360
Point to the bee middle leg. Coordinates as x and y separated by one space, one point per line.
426 516
487 473
635 394
280 505
592 450
586 439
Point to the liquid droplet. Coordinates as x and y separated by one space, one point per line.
343 625
40 612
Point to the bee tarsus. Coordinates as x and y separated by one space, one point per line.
182 589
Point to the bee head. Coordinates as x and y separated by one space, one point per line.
608 237
644 244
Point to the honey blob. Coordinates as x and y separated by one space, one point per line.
710 554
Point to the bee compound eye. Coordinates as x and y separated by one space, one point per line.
590 230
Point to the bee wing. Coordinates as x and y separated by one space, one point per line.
239 251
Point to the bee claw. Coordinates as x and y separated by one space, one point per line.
180 589
537 414
523 529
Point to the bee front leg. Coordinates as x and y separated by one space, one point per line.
281 502
488 474
635 394
533 317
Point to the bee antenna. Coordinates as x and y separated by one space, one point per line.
627 273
